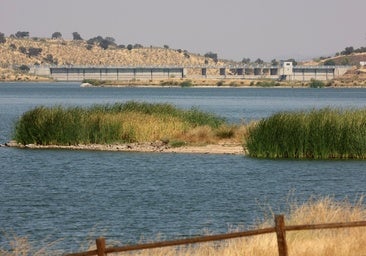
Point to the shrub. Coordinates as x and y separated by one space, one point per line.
220 83
24 68
2 38
22 49
56 35
212 56
13 47
316 84
267 83
186 83
76 36
329 63
22 34
33 52
318 134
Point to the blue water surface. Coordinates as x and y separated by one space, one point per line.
80 195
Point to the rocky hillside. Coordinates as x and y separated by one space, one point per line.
17 52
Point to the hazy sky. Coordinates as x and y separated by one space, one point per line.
234 29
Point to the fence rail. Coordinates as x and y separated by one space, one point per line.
280 230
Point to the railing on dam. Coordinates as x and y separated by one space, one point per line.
298 73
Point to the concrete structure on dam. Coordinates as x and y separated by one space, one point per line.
286 71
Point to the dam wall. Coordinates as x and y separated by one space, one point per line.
113 73
284 72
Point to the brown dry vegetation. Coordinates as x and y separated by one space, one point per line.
68 52
342 242
355 77
333 242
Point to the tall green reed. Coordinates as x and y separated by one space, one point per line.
99 123
317 134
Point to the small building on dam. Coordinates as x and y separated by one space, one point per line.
286 71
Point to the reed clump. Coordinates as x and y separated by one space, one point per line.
318 134
110 123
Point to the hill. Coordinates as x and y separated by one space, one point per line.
16 52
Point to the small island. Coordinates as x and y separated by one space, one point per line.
160 127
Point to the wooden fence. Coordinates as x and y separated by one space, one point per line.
280 230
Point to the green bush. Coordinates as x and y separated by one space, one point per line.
316 84
186 83
318 134
267 83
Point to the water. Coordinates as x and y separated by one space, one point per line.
79 195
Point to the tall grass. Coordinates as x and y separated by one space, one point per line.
110 123
331 242
317 134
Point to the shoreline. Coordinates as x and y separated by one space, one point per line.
152 147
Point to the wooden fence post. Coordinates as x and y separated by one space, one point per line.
281 235
100 246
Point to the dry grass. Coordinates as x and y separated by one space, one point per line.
334 242
342 242
21 246
68 52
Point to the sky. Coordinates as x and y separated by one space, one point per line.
234 29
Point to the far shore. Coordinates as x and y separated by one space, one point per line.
152 147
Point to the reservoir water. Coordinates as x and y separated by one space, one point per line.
79 195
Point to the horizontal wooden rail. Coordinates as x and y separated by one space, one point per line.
280 229
191 240
186 241
327 226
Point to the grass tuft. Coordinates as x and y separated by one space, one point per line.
317 134
103 124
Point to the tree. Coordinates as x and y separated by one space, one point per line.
329 63
22 49
104 44
259 61
49 58
138 46
212 55
274 62
2 38
130 47
110 39
348 50
56 35
95 40
24 68
22 34
245 61
76 36
166 46
33 52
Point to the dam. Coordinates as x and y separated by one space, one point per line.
285 72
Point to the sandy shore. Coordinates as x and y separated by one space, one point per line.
158 147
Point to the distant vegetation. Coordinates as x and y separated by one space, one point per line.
318 134
316 83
